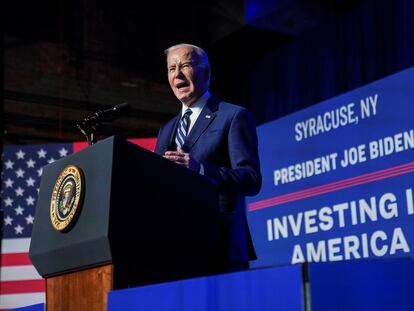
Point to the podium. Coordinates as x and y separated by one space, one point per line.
142 220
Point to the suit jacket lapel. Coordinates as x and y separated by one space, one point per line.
203 121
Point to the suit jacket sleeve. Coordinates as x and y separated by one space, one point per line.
243 177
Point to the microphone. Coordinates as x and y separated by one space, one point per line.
109 114
91 123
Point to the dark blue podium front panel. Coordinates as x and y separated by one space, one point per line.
36 307
273 289
363 285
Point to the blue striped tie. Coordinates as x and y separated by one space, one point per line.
183 128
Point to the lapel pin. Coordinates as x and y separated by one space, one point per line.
208 116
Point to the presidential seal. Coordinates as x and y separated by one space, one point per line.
67 196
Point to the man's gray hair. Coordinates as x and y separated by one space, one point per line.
202 55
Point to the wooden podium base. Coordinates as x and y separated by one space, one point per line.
80 290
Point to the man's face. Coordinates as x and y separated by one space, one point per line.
187 76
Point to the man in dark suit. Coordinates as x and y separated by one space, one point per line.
216 139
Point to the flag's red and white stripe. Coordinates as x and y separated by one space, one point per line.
20 284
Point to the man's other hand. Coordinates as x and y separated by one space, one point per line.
182 158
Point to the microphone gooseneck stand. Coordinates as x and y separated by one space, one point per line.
89 126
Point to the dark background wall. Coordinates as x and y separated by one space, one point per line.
65 59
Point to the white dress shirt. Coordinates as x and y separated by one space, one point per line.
196 109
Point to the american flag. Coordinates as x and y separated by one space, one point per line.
20 284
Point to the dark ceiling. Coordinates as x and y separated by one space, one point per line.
133 34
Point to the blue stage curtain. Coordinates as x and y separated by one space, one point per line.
372 40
